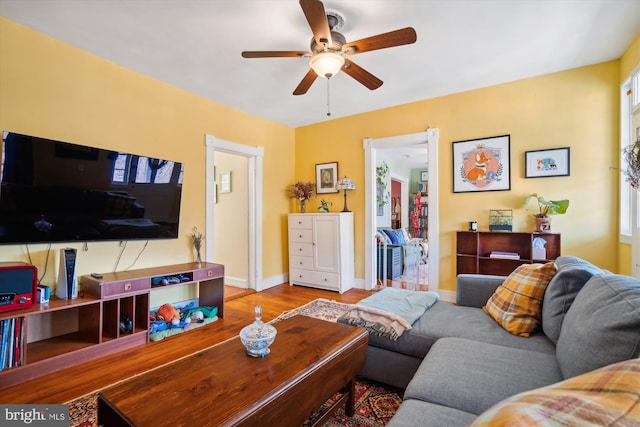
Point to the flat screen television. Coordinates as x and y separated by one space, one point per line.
54 191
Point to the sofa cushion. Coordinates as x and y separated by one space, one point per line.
400 236
424 414
449 320
572 274
602 326
472 376
392 236
517 303
605 397
405 234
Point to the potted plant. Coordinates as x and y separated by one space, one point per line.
301 190
544 210
324 205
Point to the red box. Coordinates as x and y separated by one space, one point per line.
18 285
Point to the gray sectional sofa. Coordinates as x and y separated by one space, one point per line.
456 361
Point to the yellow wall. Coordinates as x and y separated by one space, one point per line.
50 89
231 218
576 108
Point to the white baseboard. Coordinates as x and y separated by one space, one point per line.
449 296
236 282
274 281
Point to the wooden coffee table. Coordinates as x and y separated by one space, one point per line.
310 360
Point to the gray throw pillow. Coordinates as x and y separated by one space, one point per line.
572 274
602 326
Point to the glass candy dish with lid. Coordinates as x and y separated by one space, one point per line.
258 336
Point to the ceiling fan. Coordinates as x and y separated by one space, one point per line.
329 48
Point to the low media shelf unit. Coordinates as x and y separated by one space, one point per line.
500 252
62 333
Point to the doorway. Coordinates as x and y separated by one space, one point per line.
428 140
253 192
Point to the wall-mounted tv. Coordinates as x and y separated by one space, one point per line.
54 191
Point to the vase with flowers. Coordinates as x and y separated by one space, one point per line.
303 191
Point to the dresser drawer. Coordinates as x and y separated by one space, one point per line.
303 262
315 278
101 289
301 249
300 235
300 221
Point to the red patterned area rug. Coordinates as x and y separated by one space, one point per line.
375 404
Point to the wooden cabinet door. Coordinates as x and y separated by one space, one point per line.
326 244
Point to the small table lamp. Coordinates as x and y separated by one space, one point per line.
345 184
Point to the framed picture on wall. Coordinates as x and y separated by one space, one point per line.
326 177
424 176
546 163
482 164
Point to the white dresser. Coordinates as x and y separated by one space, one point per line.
321 250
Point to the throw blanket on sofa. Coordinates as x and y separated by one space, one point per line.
391 311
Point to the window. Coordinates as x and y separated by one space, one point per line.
121 169
629 132
146 171
153 171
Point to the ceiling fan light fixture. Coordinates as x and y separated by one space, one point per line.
326 64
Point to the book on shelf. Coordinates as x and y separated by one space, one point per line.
11 342
500 254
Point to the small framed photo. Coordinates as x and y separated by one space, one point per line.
326 177
547 163
424 176
482 164
225 182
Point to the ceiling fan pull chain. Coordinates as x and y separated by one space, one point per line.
328 98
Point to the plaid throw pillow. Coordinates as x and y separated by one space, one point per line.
605 397
517 304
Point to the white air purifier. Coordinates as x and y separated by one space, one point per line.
67 281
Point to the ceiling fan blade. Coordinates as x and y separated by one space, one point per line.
381 41
274 54
306 83
317 19
361 75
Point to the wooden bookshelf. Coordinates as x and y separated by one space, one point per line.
474 248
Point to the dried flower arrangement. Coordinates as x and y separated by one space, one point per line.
197 238
301 190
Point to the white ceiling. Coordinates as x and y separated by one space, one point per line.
462 45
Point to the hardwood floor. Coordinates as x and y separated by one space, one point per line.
71 383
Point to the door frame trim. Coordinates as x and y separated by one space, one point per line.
254 156
429 139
